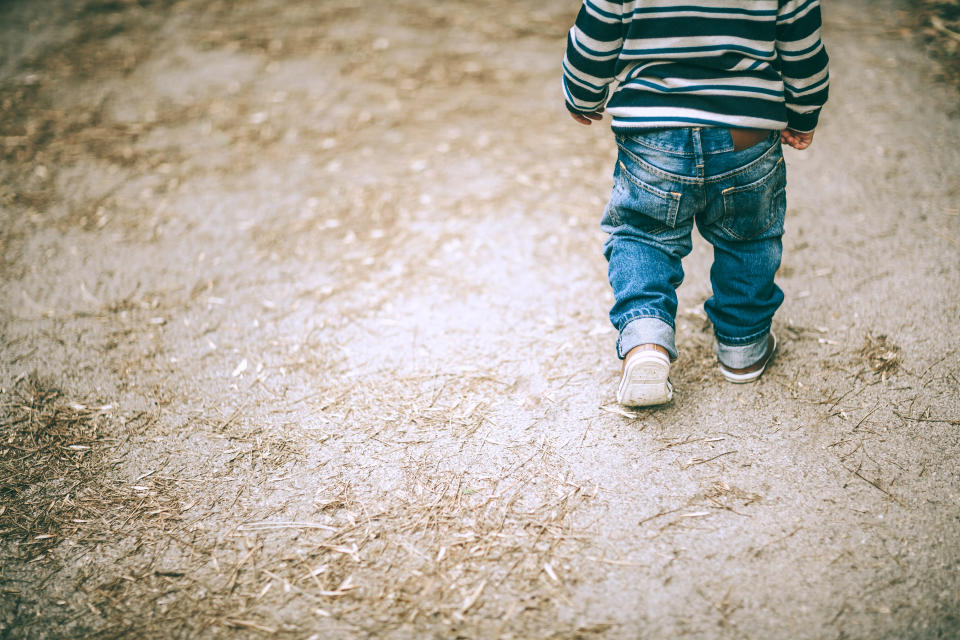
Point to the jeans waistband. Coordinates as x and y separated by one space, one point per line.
694 140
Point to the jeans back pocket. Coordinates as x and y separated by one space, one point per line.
756 209
640 200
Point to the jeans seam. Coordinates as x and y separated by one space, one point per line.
744 168
637 139
659 172
754 185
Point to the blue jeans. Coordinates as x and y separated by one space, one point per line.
665 180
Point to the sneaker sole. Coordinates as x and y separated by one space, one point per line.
743 378
644 382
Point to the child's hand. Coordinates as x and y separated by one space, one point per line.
796 139
585 118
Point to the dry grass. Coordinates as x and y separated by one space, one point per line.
51 451
58 500
443 546
939 24
880 355
419 541
434 551
56 482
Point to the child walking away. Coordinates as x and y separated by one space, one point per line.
706 91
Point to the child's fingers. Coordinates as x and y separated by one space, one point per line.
796 140
585 118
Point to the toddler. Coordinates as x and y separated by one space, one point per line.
705 93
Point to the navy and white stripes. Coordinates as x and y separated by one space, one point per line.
731 63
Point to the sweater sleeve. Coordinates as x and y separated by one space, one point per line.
590 62
803 62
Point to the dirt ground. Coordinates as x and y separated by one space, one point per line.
304 335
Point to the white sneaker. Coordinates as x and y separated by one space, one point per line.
645 381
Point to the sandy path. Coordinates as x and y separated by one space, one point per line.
305 335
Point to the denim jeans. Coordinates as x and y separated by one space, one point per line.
667 179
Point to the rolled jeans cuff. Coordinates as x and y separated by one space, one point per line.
741 356
647 330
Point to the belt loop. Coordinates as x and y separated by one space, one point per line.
698 149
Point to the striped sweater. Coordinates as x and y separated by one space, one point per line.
755 64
